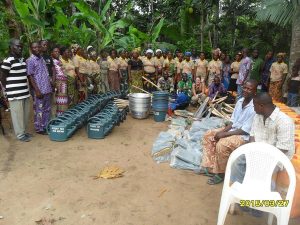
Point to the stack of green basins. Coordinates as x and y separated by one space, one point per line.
64 126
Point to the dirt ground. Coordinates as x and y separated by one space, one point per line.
45 179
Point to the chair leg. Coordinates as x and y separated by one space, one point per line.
270 219
231 209
224 207
283 219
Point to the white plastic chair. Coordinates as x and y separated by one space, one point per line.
261 160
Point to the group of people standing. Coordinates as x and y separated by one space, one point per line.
60 77
220 74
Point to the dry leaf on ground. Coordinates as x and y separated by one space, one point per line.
110 172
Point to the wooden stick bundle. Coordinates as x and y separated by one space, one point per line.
149 81
228 106
120 100
140 89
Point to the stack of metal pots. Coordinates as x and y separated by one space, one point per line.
139 105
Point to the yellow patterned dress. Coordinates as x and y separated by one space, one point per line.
68 68
135 74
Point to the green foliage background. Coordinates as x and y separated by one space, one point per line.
127 24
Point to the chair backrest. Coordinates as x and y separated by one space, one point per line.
261 160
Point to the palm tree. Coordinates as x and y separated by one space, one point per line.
284 12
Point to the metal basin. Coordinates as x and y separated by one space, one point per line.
139 105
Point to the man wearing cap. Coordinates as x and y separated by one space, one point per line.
159 61
188 66
150 69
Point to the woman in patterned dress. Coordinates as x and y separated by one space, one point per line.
135 69
103 81
226 67
60 84
124 87
214 68
68 69
82 71
113 71
150 71
95 75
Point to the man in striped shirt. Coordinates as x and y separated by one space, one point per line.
14 79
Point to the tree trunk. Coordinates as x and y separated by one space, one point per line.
202 29
295 46
182 23
209 32
216 34
13 26
295 43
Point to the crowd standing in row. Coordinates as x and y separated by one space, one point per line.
61 77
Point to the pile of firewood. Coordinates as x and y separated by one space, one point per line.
121 103
216 107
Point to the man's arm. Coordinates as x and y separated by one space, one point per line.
247 71
246 129
30 75
285 72
3 76
193 90
53 80
4 71
224 134
35 87
129 73
223 89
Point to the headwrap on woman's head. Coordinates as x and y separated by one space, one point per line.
135 50
89 47
93 53
158 50
217 51
188 54
281 54
149 51
75 47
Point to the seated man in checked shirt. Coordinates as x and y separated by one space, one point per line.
272 126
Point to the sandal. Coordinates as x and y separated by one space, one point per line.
216 179
204 171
